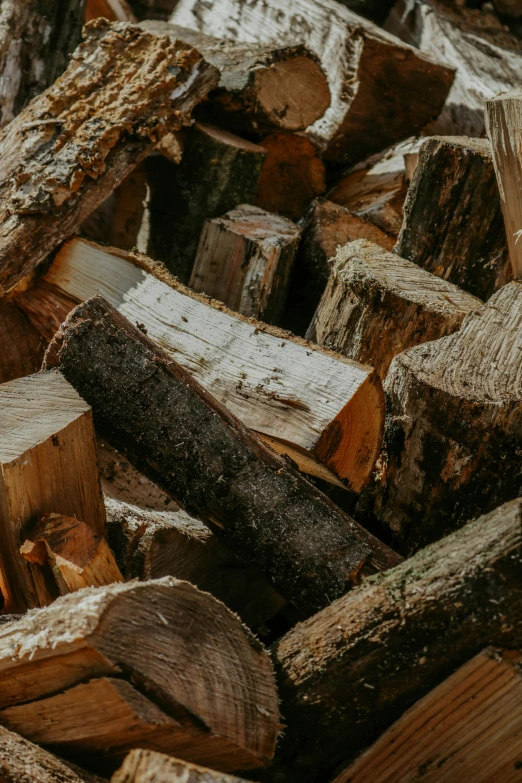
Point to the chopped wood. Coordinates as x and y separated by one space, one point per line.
244 259
113 10
261 88
322 410
48 464
144 766
511 8
453 223
59 659
22 347
377 305
58 165
467 728
349 672
45 307
454 409
360 119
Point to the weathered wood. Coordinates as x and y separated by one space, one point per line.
292 176
144 766
209 462
360 119
58 165
350 671
217 172
453 429
324 411
377 305
453 223
113 10
47 464
467 728
21 346
244 259
261 88
138 633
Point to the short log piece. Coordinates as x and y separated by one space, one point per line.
143 766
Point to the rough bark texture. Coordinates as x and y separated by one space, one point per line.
58 164
453 223
361 119
142 766
22 347
217 172
350 671
452 442
244 259
377 305
173 431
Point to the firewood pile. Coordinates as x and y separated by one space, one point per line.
261 391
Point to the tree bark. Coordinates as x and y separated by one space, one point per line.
350 671
142 766
57 166
377 305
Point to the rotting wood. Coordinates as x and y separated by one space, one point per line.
22 347
360 119
452 222
58 166
244 259
209 462
143 766
47 464
377 305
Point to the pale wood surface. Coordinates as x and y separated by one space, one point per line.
143 766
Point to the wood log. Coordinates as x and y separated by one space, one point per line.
324 411
487 59
360 120
36 41
377 305
292 176
510 8
452 438
58 166
217 172
21 346
468 727
48 463
244 259
113 10
143 766
452 216
346 674
93 644
261 88
209 462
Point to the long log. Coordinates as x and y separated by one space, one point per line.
209 462
142 766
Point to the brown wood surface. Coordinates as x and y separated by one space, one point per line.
143 766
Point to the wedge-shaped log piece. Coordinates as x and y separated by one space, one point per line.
217 172
324 411
208 461
360 119
58 164
21 346
47 464
144 766
467 728
163 636
244 259
377 305
350 671
453 432
452 216
260 87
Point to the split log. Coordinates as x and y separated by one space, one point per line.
217 172
45 307
58 165
244 259
113 10
360 119
261 88
209 462
90 645
346 674
144 766
511 8
292 176
377 305
487 59
21 346
452 438
453 223
468 728
323 410
48 463
36 42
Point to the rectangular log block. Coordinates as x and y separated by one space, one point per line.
142 766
